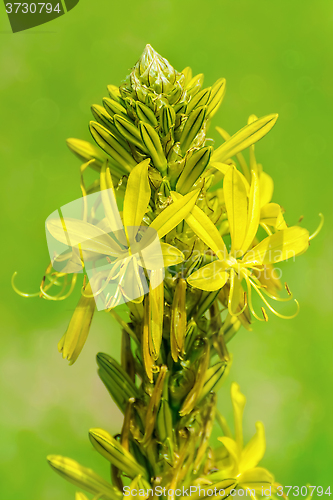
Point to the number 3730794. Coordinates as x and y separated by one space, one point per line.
302 491
32 8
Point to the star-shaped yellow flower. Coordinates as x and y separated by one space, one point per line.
243 211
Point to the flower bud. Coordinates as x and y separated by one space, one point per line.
155 72
115 453
76 334
83 477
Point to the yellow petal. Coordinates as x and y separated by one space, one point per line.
224 167
253 215
174 214
137 195
266 188
171 255
210 277
235 294
109 199
248 135
236 204
204 228
238 402
255 479
271 215
241 160
76 233
156 308
232 449
282 245
254 450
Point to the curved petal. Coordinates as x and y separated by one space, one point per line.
232 448
137 195
253 215
209 278
250 134
174 214
238 402
255 479
271 214
266 188
109 200
76 233
283 245
235 197
204 228
254 450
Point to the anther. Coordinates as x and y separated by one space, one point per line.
264 314
287 288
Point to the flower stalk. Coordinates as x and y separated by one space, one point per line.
185 291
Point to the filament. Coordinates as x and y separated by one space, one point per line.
249 292
317 231
22 294
231 293
266 228
272 308
57 297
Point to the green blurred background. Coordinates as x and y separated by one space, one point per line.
276 57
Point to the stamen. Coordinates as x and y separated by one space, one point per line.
300 219
272 308
155 369
317 231
22 294
41 286
288 289
264 314
59 297
266 228
84 282
249 291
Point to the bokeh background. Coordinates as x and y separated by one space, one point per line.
276 57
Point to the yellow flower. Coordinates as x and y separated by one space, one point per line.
242 261
127 246
235 459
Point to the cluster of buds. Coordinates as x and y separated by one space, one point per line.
154 159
